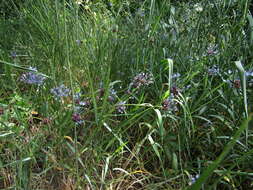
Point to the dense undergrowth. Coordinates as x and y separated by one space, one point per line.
126 95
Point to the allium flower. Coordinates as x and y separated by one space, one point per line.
120 107
214 70
80 105
60 91
193 179
142 79
175 91
169 104
32 78
76 117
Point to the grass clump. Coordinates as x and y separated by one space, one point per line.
126 95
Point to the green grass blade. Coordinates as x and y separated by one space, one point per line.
208 172
243 79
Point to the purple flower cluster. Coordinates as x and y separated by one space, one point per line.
60 91
140 80
120 107
79 107
76 117
169 104
214 70
32 77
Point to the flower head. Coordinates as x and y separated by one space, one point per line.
32 77
175 90
120 107
142 79
112 95
60 91
214 70
169 104
76 117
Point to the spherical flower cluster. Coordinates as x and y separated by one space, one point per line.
214 70
120 107
76 117
60 91
32 77
169 104
140 80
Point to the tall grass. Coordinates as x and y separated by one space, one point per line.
159 96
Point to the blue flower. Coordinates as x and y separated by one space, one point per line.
169 104
140 80
76 117
193 179
112 95
120 107
213 71
32 77
60 91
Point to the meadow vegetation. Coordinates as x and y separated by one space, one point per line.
126 94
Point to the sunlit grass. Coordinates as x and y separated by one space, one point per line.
126 96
